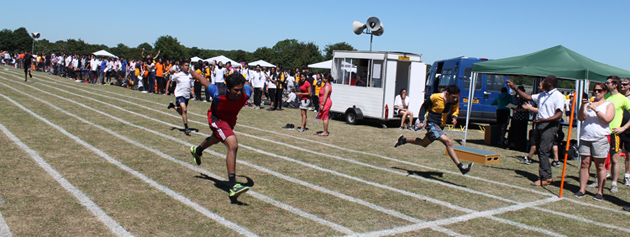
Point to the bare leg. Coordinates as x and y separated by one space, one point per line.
555 153
532 151
601 174
449 148
584 172
325 127
627 164
182 110
421 142
232 145
304 119
614 167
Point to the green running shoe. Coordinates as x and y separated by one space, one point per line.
237 190
193 152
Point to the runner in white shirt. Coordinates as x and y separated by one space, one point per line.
183 92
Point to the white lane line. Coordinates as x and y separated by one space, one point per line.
321 189
582 219
262 197
110 223
357 151
4 228
166 190
463 218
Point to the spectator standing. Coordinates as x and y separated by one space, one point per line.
272 80
594 146
621 103
503 113
159 76
305 95
517 137
550 111
625 135
325 103
258 82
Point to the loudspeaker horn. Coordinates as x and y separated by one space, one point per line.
358 27
373 24
380 30
35 35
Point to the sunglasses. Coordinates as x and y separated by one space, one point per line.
598 90
624 84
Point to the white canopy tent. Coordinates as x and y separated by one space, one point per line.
262 63
322 65
223 59
195 59
104 53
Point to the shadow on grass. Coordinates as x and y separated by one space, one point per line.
427 174
592 191
225 186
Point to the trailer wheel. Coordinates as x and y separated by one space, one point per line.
351 117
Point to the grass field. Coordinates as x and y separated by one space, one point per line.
88 160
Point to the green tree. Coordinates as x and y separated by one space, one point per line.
170 48
263 53
21 39
6 40
329 49
146 46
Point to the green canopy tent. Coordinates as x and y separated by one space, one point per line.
558 61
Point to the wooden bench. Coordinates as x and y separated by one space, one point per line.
476 155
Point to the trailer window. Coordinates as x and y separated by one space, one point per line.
495 82
376 79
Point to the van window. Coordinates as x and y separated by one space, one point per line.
495 82
445 78
467 78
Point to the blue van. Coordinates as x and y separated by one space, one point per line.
458 71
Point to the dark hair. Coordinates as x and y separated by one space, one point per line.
452 89
601 85
615 80
401 90
521 88
552 80
234 79
504 90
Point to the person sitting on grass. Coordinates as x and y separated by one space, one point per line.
222 116
439 106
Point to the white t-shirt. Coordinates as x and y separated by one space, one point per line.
291 97
290 82
219 75
548 103
68 61
258 79
398 102
270 84
593 128
184 83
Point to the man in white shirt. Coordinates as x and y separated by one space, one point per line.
75 67
183 92
550 110
258 81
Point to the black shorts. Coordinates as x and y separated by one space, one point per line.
503 115
615 143
625 141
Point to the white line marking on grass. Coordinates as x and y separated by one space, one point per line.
582 219
321 189
463 218
166 190
196 122
4 228
110 223
259 196
449 205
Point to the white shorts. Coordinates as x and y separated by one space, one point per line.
304 104
595 149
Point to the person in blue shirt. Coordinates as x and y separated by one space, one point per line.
503 112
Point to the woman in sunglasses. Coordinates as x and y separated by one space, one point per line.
594 145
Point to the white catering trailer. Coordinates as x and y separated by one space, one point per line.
366 83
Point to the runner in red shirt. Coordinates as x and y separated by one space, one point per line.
222 117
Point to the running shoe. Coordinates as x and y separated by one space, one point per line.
170 105
301 129
401 141
193 152
599 197
525 160
237 190
614 188
466 169
400 128
579 194
627 181
289 127
593 185
187 131
555 163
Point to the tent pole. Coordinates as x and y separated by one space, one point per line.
566 151
469 108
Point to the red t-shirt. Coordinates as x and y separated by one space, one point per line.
227 110
304 89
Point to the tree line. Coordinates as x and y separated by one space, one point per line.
290 53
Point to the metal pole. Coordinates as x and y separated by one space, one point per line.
33 46
470 102
371 36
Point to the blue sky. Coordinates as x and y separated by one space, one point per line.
435 29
